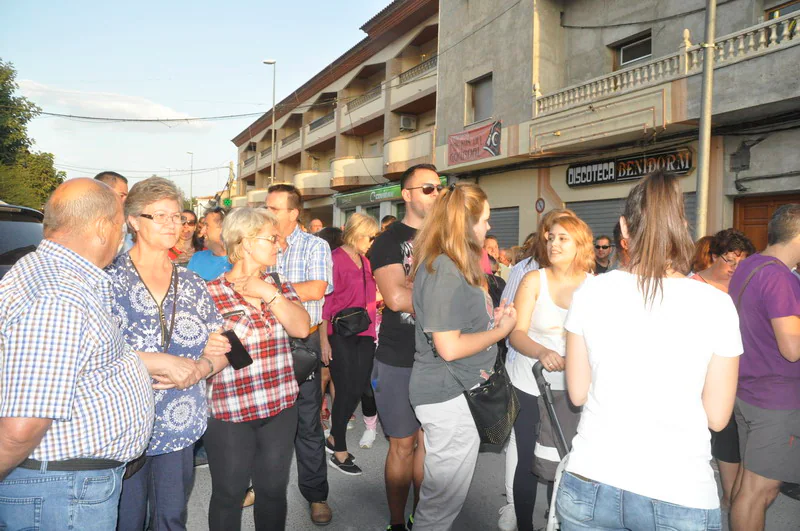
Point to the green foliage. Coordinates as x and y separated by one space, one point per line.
26 178
15 113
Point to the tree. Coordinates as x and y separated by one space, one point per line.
15 113
26 178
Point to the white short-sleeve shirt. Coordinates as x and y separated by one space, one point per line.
643 428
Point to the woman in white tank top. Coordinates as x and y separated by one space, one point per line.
542 302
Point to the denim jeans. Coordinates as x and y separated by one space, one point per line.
584 504
43 500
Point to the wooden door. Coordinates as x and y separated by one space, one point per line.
751 215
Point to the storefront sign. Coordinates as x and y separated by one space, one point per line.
629 168
475 144
379 194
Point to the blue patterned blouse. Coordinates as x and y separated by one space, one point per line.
180 414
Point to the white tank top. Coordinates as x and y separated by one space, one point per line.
547 329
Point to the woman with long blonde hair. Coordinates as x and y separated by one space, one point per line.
457 330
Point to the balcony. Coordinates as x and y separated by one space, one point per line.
289 144
419 70
365 106
257 197
401 153
355 172
238 201
264 158
653 94
249 161
320 129
414 84
313 184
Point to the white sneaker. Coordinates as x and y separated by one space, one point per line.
367 439
508 518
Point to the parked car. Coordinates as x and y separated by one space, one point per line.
20 233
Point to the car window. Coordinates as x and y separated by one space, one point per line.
18 238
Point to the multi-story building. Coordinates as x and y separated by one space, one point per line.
568 102
350 131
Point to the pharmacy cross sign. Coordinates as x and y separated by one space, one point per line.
629 168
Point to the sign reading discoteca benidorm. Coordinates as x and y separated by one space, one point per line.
629 168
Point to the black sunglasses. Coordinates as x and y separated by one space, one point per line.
427 188
603 247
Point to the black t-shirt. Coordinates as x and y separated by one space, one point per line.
396 336
598 269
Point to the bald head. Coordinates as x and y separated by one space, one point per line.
77 205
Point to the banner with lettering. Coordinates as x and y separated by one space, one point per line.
629 168
475 144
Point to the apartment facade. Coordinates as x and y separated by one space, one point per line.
346 135
551 103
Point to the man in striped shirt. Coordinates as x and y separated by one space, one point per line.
75 400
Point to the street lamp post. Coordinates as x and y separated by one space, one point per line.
274 149
191 179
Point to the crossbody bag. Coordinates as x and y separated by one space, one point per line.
354 320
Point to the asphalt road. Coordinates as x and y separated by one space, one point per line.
359 502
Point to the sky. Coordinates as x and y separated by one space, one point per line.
168 59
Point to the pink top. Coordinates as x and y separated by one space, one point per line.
348 290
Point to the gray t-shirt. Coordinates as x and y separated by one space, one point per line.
444 301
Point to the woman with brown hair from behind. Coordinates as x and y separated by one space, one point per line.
653 358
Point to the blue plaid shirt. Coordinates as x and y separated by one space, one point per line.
62 357
515 277
306 258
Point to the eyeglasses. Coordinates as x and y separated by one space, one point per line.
161 218
271 239
603 247
730 261
185 222
427 188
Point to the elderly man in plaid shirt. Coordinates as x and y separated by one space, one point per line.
75 400
305 260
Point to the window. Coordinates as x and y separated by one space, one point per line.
348 214
783 9
634 50
479 99
374 211
400 210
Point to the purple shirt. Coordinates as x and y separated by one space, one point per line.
348 290
766 379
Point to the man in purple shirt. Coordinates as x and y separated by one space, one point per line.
767 409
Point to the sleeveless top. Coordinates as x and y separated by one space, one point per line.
547 329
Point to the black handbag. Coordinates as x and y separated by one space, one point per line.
494 404
304 360
352 321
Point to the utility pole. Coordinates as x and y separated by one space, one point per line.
705 119
274 150
191 179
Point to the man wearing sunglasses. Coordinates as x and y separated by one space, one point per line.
391 259
602 254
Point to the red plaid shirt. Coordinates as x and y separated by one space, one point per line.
267 386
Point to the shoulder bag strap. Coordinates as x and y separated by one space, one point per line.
429 337
750 277
364 274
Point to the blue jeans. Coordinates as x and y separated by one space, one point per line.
590 505
41 500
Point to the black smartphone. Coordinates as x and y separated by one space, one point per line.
238 356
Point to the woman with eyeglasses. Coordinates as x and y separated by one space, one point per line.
349 350
653 357
726 250
168 317
188 241
252 413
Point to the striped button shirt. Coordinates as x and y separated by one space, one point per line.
62 357
307 257
515 277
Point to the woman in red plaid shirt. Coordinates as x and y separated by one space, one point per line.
252 418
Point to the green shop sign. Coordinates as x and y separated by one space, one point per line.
378 194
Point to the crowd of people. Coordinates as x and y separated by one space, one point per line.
137 334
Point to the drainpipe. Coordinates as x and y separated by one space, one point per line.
705 119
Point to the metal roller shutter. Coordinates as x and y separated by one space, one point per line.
505 226
601 216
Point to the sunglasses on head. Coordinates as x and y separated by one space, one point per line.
603 247
427 188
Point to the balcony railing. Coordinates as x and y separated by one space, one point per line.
742 45
419 70
291 138
248 161
319 122
266 152
362 100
